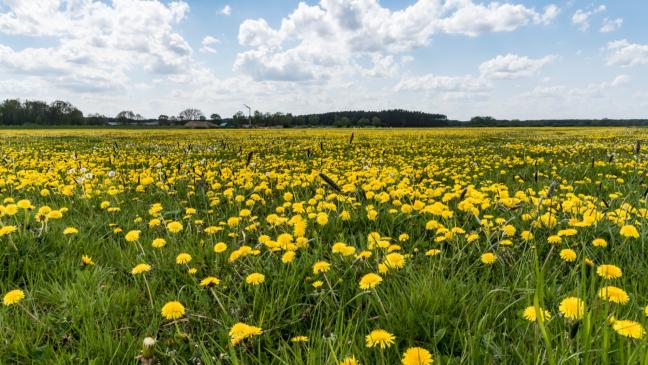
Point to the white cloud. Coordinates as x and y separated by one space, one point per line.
382 66
581 17
473 19
208 44
98 44
610 25
406 59
620 80
625 54
511 66
448 84
328 39
551 11
227 10
578 94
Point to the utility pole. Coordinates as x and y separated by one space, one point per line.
249 115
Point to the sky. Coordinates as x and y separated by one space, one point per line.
507 59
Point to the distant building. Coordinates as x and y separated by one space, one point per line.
199 124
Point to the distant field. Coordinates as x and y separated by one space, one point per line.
324 246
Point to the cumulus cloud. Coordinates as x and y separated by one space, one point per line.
473 19
328 39
625 54
98 43
581 17
431 82
610 25
208 44
511 66
227 10
578 94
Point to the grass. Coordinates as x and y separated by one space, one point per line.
456 307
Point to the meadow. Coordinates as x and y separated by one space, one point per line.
405 246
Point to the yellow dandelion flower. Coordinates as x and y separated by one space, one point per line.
394 260
70 230
132 236
209 281
173 310
183 258
87 260
322 219
158 243
609 271
417 356
629 329
613 294
349 360
220 247
370 281
599 242
433 252
255 278
380 338
174 227
321 267
24 204
629 231
317 283
568 255
7 230
488 258
288 257
572 308
141 268
241 331
530 314
13 297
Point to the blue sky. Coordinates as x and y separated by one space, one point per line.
508 59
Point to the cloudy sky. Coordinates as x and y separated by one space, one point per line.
508 59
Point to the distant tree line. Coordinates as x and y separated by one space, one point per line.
16 112
481 121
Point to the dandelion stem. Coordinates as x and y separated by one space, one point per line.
31 314
220 304
148 290
382 307
331 289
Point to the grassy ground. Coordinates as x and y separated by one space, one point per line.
402 193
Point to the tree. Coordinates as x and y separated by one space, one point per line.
239 118
215 117
62 112
257 118
125 115
313 119
482 120
163 117
36 111
190 114
11 111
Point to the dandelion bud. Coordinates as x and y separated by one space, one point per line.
149 343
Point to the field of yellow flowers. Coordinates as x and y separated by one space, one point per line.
447 246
